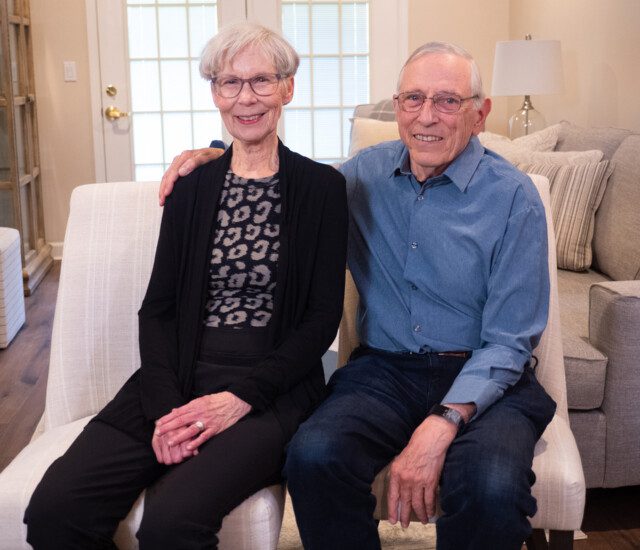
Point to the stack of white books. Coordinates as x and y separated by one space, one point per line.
12 314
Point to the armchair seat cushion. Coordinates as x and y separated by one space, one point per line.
584 364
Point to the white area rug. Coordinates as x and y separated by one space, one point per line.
414 537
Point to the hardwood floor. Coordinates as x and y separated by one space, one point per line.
612 516
23 370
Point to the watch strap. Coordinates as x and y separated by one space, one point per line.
449 414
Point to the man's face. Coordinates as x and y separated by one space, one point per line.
435 139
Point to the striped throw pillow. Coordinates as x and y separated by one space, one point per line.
576 192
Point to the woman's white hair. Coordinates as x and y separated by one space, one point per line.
446 47
232 40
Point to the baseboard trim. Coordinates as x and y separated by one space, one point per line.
56 250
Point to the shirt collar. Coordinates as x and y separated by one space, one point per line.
459 171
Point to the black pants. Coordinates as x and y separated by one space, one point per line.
91 488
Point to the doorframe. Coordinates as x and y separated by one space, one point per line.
95 84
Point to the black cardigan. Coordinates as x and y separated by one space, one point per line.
307 306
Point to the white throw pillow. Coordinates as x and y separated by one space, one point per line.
566 157
367 131
519 150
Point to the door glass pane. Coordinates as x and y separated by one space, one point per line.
174 96
149 172
200 90
171 105
326 81
297 128
325 31
295 27
177 134
327 133
203 24
172 23
147 138
302 88
145 86
332 39
206 126
143 32
355 28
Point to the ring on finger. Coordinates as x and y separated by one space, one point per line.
200 425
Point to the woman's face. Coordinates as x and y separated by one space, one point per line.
249 117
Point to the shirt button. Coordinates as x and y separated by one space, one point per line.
414 287
420 197
414 245
417 328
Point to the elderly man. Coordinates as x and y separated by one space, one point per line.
448 251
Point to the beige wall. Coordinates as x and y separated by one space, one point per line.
476 26
601 53
600 42
64 108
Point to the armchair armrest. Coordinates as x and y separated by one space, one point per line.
614 328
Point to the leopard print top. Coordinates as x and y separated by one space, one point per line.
242 273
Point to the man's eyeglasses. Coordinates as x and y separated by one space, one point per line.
230 86
444 103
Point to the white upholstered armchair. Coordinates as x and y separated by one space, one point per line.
108 254
560 486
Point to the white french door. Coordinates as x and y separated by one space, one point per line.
144 71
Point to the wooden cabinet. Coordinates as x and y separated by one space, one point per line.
20 182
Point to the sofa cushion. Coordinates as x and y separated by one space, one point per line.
616 241
585 366
576 138
576 192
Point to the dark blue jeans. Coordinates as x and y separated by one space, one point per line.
375 403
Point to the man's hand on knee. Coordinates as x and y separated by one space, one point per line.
415 472
184 164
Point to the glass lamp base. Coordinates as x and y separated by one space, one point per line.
525 121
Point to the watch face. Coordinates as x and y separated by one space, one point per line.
449 414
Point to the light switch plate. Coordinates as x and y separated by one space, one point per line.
70 74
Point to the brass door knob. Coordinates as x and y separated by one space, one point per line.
113 113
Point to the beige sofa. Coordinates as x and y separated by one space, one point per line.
599 307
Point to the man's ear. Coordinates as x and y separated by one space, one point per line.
482 114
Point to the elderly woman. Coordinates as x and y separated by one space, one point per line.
244 298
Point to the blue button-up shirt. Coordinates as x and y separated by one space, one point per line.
458 262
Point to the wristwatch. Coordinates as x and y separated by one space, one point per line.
449 414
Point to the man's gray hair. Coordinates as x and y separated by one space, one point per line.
453 49
232 40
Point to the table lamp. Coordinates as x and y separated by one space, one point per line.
527 67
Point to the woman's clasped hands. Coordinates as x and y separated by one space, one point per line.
179 434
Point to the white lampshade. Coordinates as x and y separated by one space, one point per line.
527 67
